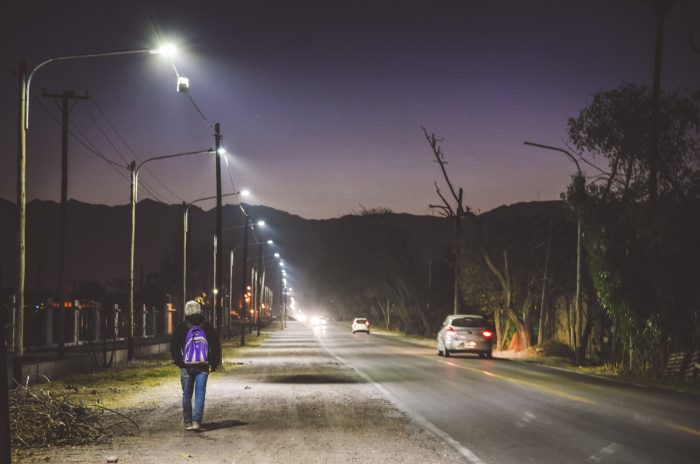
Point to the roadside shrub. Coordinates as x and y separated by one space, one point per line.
557 349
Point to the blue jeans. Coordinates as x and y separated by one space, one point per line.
193 381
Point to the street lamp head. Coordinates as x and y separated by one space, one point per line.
277 255
168 50
270 242
221 151
260 223
245 193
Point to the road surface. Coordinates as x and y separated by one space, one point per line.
500 412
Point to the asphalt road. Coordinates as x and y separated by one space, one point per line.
500 412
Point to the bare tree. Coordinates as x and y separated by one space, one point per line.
459 212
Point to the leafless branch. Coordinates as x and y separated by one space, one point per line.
434 143
445 211
447 205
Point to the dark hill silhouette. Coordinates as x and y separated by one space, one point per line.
98 240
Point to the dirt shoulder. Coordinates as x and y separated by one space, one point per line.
286 401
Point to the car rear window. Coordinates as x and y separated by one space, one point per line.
360 321
468 322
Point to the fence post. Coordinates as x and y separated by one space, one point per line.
48 324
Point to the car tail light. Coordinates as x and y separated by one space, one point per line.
450 332
487 334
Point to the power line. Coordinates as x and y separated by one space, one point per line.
111 163
88 145
128 147
85 141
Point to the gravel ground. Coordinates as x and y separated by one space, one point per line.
287 401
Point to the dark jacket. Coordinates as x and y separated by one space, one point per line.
177 341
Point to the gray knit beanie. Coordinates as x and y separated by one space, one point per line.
192 307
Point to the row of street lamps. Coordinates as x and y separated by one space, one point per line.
25 80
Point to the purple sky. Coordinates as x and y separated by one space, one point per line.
321 103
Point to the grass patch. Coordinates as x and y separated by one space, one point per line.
118 386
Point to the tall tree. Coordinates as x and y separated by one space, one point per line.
641 260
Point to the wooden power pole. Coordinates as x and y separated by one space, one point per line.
68 100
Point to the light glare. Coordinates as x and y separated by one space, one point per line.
168 50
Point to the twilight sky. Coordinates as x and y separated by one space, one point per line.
321 102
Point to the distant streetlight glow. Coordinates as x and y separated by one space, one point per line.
245 193
270 242
277 255
260 223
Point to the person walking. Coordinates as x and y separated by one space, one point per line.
196 350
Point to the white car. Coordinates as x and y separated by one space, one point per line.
360 324
465 333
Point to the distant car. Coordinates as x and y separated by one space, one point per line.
360 324
465 333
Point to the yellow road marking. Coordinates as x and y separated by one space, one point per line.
528 383
683 428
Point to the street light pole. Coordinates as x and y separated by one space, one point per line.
230 292
185 228
134 170
244 277
259 286
25 82
577 298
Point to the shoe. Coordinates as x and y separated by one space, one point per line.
188 425
196 427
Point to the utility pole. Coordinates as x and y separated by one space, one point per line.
66 108
540 331
21 209
458 252
130 350
218 310
661 9
184 260
259 286
244 277
215 291
230 292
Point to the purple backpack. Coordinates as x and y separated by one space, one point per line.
196 346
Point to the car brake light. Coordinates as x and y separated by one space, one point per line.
366 322
450 329
487 334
